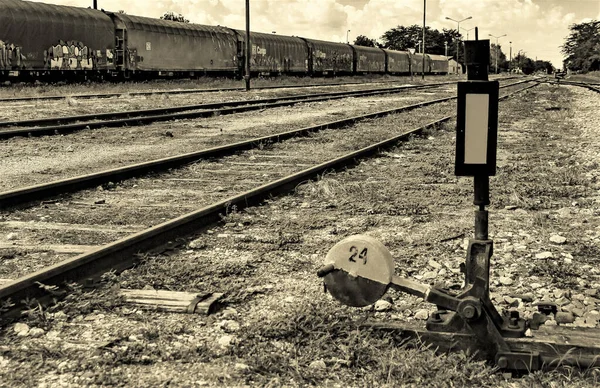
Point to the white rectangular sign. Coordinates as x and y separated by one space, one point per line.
476 128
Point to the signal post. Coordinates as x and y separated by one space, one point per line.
359 270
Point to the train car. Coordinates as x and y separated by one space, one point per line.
397 62
275 54
416 63
368 60
168 48
36 38
328 58
438 64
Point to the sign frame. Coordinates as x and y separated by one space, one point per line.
491 89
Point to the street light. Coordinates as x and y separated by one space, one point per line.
347 41
457 39
497 37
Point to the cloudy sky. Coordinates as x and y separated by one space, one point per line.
538 27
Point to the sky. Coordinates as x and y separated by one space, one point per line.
537 27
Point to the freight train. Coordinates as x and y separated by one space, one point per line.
42 41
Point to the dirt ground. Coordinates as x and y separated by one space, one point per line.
276 326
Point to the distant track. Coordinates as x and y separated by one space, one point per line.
193 91
69 124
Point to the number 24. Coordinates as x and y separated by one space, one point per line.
362 256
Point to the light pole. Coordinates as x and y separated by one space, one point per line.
496 51
470 29
510 62
457 38
248 46
446 49
424 8
347 41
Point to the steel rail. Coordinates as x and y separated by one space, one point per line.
190 91
236 107
46 190
182 91
120 254
212 105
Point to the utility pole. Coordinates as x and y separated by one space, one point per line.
248 46
496 50
424 8
347 40
510 62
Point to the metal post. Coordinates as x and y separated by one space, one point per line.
95 4
457 45
248 46
510 61
424 7
347 40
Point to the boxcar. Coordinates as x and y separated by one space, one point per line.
416 62
329 58
37 37
368 59
168 47
438 64
398 62
275 53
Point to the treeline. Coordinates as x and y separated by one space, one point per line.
582 47
445 43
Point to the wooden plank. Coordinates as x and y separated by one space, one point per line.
172 301
63 248
557 345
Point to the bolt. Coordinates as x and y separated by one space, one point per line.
502 363
513 322
469 312
514 314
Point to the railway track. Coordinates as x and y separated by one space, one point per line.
69 124
47 190
197 184
188 91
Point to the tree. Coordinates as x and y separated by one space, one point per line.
502 62
170 15
403 38
362 40
582 47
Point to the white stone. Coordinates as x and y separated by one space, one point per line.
555 238
434 264
318 364
535 286
22 329
382 305
505 281
422 314
12 236
225 341
544 255
36 332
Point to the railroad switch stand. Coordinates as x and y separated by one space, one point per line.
359 270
